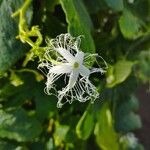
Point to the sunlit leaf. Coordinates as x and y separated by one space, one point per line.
15 79
119 72
106 137
86 124
60 133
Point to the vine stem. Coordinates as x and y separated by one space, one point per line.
25 34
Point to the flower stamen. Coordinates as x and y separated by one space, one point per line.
76 65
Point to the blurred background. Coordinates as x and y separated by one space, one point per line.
119 31
144 133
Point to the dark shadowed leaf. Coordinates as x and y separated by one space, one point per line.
115 4
5 145
130 25
126 118
17 125
129 122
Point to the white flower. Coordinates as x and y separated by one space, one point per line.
70 63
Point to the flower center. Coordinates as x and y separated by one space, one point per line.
76 65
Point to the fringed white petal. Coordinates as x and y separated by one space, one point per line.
79 57
61 69
82 91
51 78
66 54
84 71
65 41
94 70
73 78
44 67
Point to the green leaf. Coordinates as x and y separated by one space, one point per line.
79 22
60 133
106 137
130 25
115 4
15 79
143 71
11 49
45 104
29 92
86 124
129 122
95 6
119 72
50 144
38 145
126 118
17 125
4 145
10 145
128 105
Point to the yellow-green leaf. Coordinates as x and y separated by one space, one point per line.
119 72
106 137
86 124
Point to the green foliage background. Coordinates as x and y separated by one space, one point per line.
119 31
